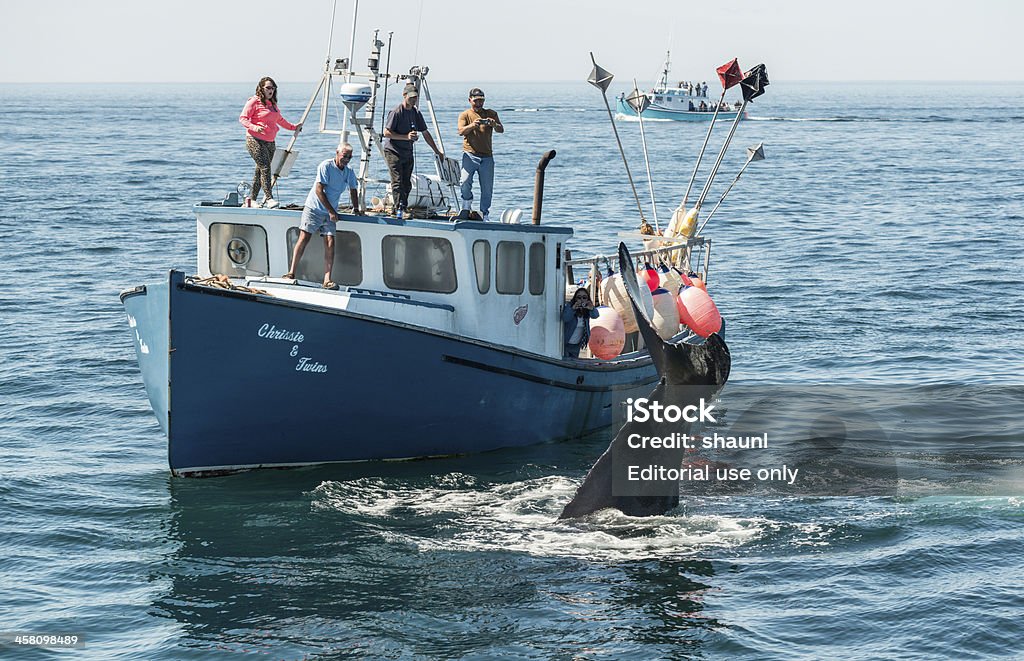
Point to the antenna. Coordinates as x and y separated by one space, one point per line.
330 38
348 76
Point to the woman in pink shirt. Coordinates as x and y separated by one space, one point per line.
261 118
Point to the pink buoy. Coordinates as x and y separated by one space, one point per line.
697 282
685 279
666 313
607 334
698 311
649 275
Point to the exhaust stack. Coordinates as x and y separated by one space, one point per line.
538 185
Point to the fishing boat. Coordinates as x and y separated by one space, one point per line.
445 336
686 101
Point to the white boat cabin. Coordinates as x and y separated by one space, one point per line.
487 281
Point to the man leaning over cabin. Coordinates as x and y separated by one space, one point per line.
401 130
320 212
476 126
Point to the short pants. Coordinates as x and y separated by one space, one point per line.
314 222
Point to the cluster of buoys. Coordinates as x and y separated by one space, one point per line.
671 298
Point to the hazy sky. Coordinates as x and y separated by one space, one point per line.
228 41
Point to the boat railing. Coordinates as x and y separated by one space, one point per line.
678 254
679 246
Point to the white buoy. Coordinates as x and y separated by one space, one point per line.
613 294
670 281
666 313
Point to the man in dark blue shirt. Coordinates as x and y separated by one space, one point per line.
401 130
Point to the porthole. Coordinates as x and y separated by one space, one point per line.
239 251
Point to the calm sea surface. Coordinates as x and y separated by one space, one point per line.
879 246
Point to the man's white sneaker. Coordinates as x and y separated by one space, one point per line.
270 203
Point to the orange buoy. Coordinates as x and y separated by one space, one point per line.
666 313
698 311
697 282
607 334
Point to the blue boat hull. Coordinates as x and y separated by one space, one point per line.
243 381
655 112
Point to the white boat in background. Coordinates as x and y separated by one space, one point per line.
687 101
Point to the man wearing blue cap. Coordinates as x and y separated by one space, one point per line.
476 126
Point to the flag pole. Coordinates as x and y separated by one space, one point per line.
647 160
753 84
721 155
753 154
603 82
707 137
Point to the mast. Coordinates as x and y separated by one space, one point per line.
663 81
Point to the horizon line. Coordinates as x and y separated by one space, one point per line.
488 82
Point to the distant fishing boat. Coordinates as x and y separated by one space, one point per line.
687 101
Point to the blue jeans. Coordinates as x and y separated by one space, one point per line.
483 167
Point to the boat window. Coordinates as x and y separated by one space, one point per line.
482 262
238 250
536 268
659 99
419 263
348 258
510 265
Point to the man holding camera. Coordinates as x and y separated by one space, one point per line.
476 126
403 127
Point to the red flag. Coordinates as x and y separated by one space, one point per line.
730 73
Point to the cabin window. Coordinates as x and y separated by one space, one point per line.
482 262
419 263
238 250
536 268
348 258
659 99
510 267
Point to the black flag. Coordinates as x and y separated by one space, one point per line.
754 82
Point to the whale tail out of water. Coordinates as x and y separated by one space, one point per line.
702 368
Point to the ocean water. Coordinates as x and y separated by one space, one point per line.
878 248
